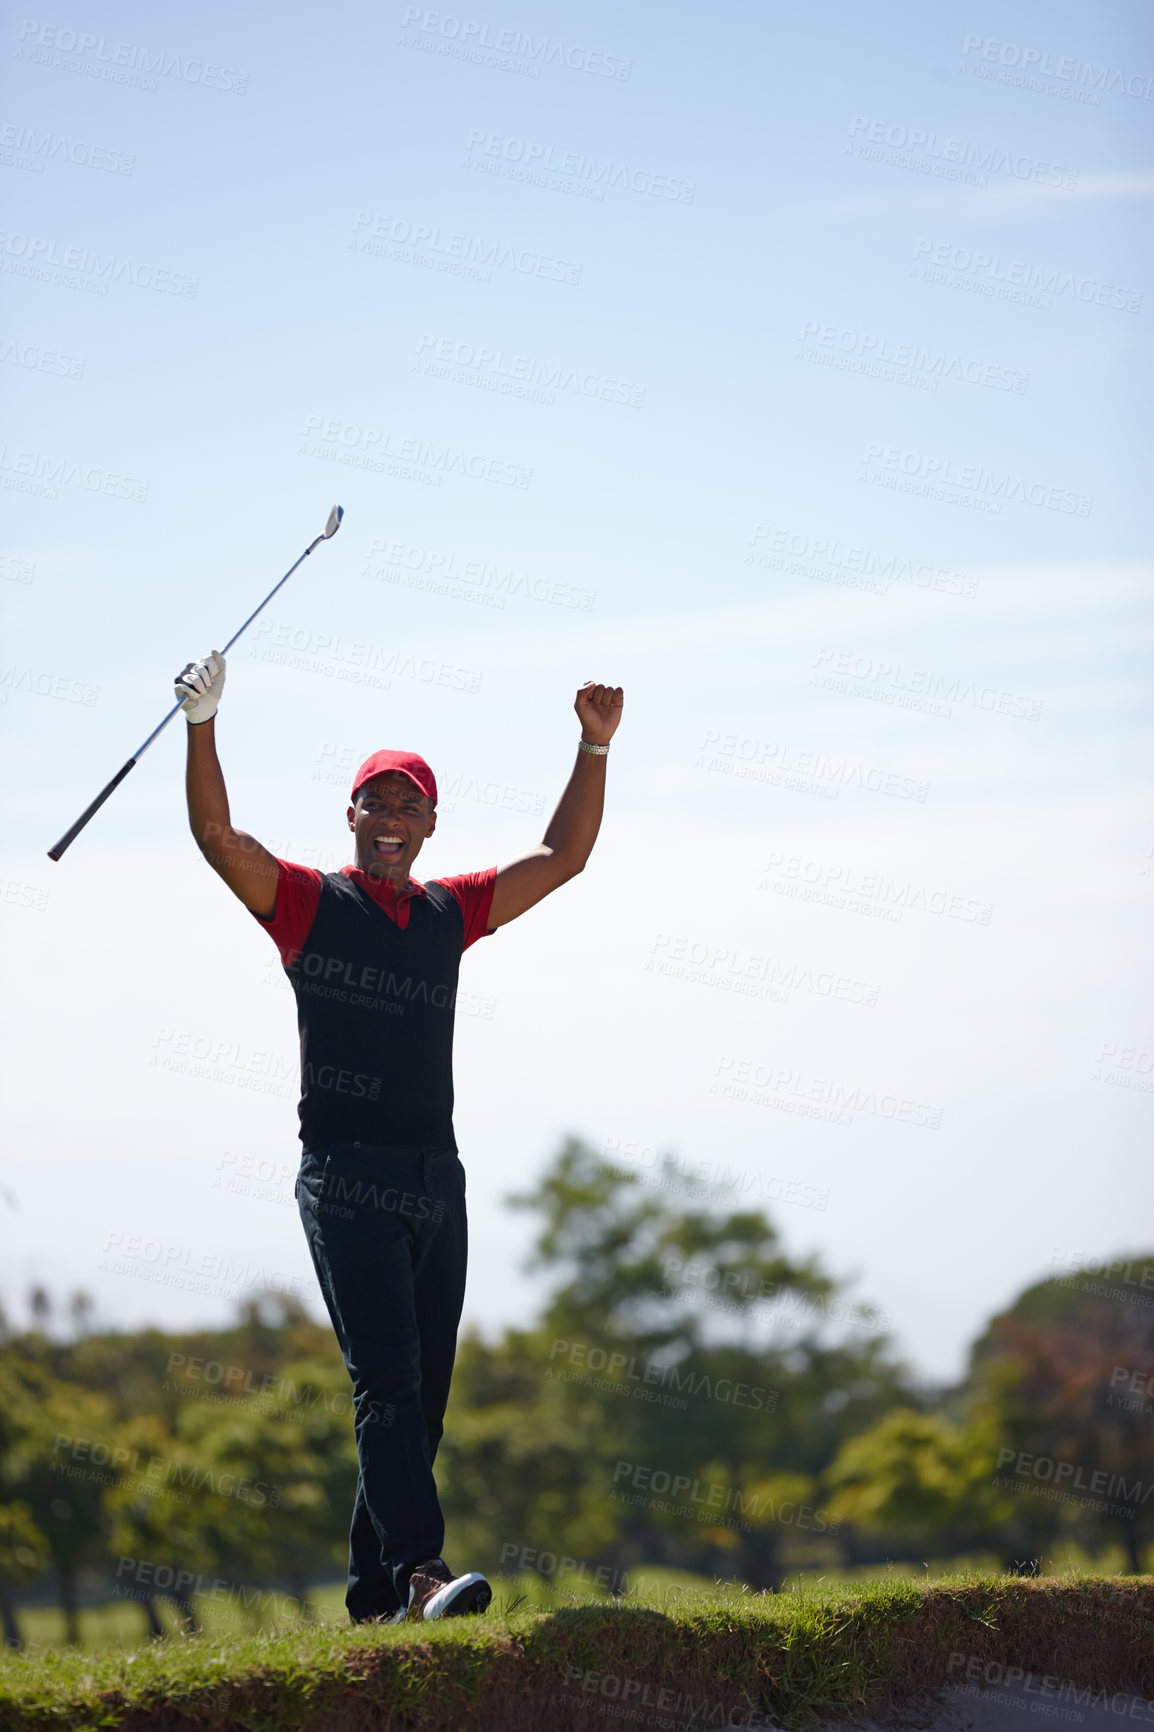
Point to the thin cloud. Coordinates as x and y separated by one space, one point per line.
1014 201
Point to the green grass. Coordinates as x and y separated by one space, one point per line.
120 1623
812 1651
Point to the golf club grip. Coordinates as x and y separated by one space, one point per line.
90 811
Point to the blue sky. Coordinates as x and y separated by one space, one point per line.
785 370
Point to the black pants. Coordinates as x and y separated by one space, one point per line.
387 1230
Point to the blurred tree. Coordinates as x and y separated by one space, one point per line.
282 1476
618 1251
927 1486
514 1469
1065 1377
1049 1437
149 1446
81 1310
691 1394
635 1363
24 1551
53 1428
23 1554
159 1532
248 1488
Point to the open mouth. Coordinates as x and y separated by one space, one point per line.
388 847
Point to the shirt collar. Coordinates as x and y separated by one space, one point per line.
381 888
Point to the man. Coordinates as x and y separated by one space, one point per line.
372 955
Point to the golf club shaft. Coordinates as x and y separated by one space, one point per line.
267 599
160 726
71 834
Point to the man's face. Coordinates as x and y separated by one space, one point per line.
390 821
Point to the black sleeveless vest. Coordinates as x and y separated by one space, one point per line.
375 1011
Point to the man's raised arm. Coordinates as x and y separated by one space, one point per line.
573 827
246 866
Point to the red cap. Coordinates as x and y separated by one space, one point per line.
408 763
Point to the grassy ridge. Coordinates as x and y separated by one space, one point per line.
695 1659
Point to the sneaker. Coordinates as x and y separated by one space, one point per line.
435 1592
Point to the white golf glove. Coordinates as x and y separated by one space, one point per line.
199 686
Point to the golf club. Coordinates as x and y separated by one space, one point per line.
70 835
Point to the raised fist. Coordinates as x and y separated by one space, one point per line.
599 710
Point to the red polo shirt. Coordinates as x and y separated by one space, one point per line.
299 887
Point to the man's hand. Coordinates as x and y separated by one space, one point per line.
599 711
199 686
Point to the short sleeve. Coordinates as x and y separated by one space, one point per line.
298 891
474 895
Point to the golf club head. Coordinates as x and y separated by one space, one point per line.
334 521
